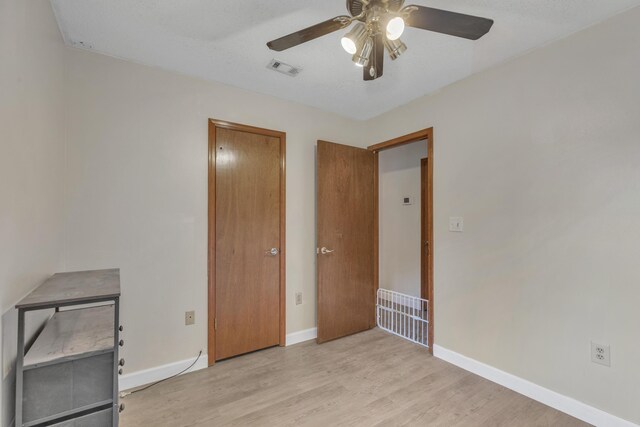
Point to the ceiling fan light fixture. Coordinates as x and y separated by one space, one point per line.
395 28
372 24
395 48
354 38
361 57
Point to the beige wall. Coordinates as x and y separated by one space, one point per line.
541 156
400 248
137 193
31 163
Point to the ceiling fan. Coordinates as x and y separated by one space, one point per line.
379 25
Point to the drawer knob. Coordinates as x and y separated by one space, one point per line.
121 328
120 371
121 343
121 408
121 363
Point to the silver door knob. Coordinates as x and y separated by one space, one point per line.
325 251
272 252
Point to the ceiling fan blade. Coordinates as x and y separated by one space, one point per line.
445 22
376 60
313 32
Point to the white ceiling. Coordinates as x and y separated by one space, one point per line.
225 41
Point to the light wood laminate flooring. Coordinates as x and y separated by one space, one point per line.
369 379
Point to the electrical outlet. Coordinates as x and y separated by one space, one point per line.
298 298
456 224
189 318
600 354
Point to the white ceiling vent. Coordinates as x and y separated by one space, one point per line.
283 68
81 44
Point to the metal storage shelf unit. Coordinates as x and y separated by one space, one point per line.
69 375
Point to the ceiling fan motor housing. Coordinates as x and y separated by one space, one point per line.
355 7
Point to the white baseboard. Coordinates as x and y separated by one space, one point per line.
147 376
550 398
301 336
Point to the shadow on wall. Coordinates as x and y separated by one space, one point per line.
403 158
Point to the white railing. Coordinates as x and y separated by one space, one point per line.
403 315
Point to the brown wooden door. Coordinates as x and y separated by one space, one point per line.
345 209
247 228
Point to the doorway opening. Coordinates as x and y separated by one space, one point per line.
246 249
424 249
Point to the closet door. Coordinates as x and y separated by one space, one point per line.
246 220
345 239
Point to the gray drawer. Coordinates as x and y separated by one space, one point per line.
53 389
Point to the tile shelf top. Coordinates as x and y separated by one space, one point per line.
74 288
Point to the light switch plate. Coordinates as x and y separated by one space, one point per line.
456 224
298 298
